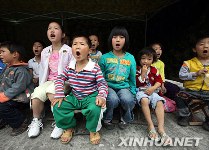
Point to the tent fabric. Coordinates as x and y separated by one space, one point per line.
21 11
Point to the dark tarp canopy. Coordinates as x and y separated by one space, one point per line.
20 19
105 10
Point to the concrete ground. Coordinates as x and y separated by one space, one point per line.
110 139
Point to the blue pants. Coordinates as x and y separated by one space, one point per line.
123 97
10 113
153 99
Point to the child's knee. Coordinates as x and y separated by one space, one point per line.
94 109
159 104
36 101
144 101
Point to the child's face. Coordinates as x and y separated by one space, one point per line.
0 53
146 60
157 49
118 42
94 41
6 56
37 48
202 48
54 32
80 49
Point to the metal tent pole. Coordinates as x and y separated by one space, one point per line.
145 31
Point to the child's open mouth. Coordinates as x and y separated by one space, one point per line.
93 46
52 35
36 51
117 45
78 53
205 51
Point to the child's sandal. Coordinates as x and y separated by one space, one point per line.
165 139
95 138
67 136
153 135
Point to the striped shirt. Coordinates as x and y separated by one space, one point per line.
83 83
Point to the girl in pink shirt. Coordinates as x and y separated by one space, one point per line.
54 58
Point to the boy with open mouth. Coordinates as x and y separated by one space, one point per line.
89 92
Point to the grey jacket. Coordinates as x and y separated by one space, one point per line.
16 83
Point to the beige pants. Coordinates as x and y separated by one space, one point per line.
42 90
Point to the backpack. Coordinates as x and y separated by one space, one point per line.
169 105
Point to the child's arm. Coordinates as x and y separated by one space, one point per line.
158 81
185 74
162 73
102 88
102 64
163 89
59 88
139 81
151 89
100 55
42 67
132 77
22 78
3 97
59 83
144 72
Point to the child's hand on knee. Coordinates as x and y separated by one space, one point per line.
149 90
100 102
59 100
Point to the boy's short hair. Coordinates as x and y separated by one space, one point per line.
88 41
149 51
198 37
157 43
119 30
14 47
42 43
93 34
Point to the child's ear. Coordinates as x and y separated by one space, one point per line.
194 50
16 55
63 35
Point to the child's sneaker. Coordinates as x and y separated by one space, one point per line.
122 125
108 125
34 128
56 133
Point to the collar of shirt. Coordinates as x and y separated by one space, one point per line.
89 67
34 60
